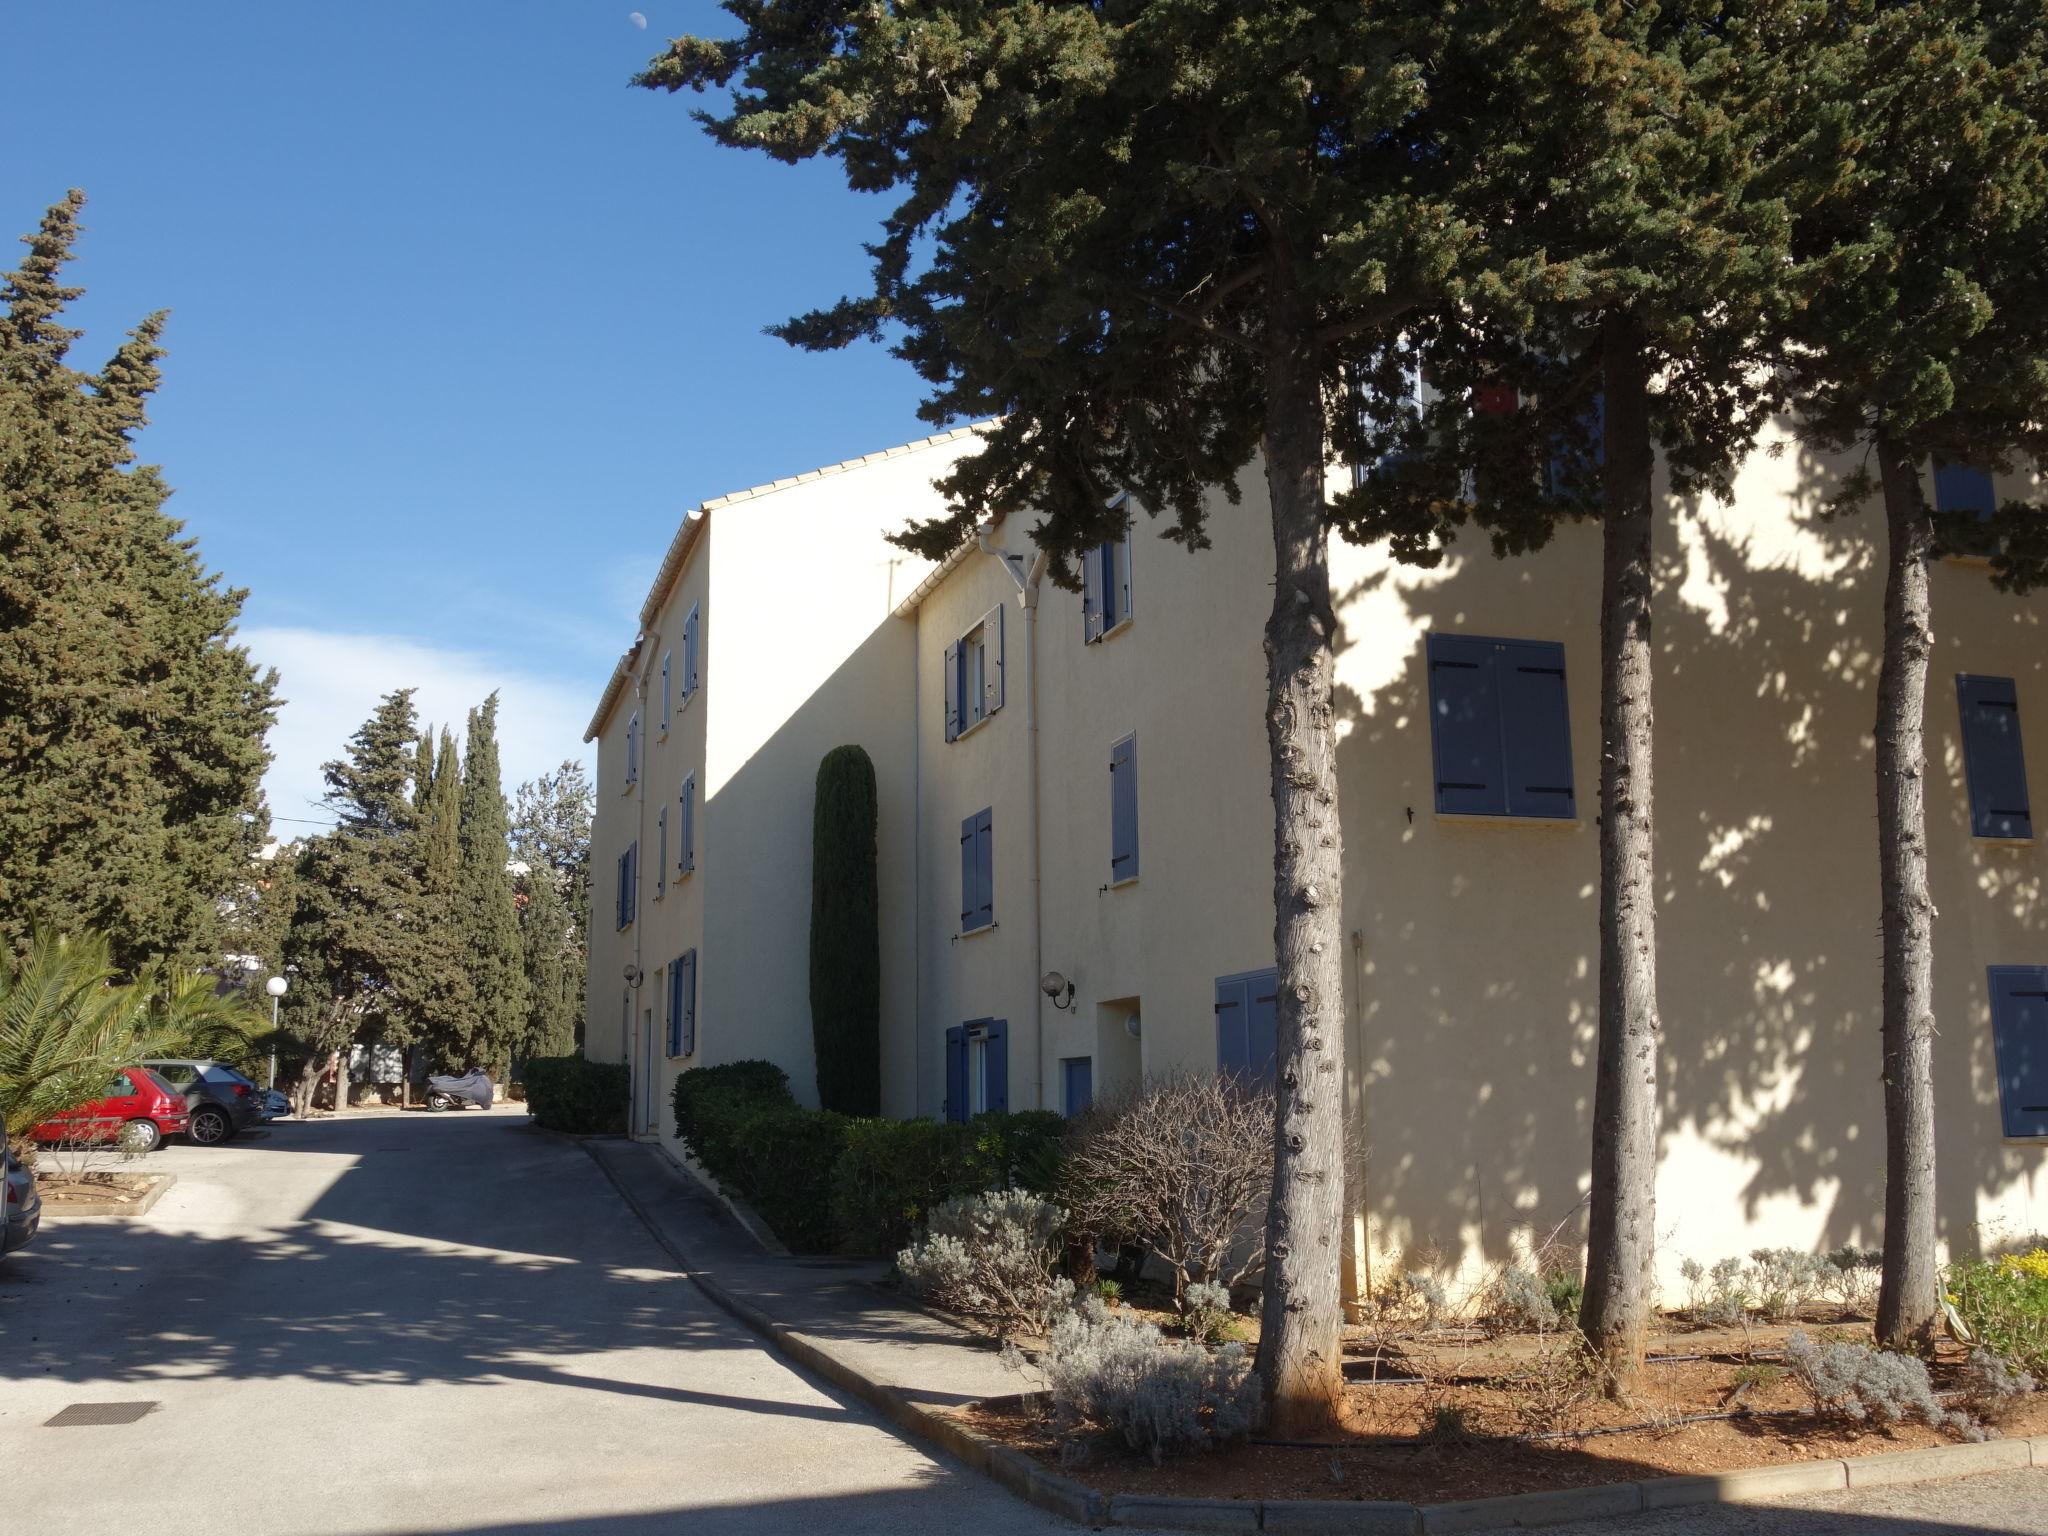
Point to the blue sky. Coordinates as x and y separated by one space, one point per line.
460 324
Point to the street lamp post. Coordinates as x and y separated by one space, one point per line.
276 988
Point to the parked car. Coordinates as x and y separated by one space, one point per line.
222 1101
24 1207
275 1105
138 1110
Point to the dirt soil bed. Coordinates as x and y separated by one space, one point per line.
1443 1437
60 1190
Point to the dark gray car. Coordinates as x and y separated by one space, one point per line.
219 1097
18 1198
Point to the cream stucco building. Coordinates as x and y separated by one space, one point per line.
1077 783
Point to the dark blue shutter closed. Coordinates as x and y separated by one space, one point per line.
992 659
995 1061
1233 1012
1262 1023
1535 729
956 1073
689 1002
1464 708
985 870
1123 810
1960 488
970 882
1077 1074
953 690
2019 1033
1994 762
674 973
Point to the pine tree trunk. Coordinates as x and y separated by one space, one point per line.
1620 1244
1909 1296
405 1078
1302 1317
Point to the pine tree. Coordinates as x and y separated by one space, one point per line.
551 819
551 1008
1146 241
358 934
489 915
1923 212
132 727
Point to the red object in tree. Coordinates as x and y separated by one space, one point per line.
1496 400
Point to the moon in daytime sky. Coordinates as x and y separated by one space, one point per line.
637 19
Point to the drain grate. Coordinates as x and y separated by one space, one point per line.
99 1413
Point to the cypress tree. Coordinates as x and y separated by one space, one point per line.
1923 212
551 1009
846 936
442 988
488 911
131 725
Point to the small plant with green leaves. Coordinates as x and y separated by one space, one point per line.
1751 1378
1445 1423
1110 1290
1565 1289
1205 1312
1852 1279
1783 1281
1112 1373
2003 1305
1716 1296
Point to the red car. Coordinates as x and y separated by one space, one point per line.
138 1111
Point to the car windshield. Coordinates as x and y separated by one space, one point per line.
158 1079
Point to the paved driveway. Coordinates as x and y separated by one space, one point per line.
422 1323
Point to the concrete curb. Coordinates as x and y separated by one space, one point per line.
1075 1501
124 1210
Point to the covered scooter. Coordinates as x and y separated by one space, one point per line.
459 1092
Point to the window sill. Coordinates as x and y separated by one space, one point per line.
967 731
1473 819
969 933
2003 842
1123 883
1114 630
684 874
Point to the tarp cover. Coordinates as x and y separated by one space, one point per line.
473 1086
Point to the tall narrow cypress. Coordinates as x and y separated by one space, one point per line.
846 942
490 915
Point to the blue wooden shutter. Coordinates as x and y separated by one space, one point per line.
995 1067
1077 1075
672 976
1233 1012
1262 1023
985 870
992 659
1123 810
665 689
1536 734
970 881
1093 588
693 632
661 862
632 748
1122 549
2019 1033
686 855
953 690
956 1073
621 892
1994 762
689 1002
1960 488
1464 714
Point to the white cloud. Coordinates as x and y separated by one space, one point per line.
331 682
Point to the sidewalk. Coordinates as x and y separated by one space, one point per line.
840 1306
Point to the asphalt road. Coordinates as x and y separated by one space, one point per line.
449 1323
422 1323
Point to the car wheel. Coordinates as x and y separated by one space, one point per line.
209 1127
141 1136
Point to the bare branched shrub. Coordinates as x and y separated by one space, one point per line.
1552 1391
1182 1164
989 1256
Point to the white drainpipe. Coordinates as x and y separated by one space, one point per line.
1027 594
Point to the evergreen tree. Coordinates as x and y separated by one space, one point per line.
489 915
552 1009
551 819
846 936
131 725
1146 239
359 932
1923 213
447 992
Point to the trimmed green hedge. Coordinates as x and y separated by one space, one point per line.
829 1182
578 1097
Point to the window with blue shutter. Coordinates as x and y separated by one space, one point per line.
977 872
1500 727
953 690
674 973
1573 471
956 1074
1106 580
632 749
974 675
1123 811
1960 488
1994 763
2019 1034
1077 1083
1247 1014
995 1066
665 710
628 883
661 863
689 1002
686 849
693 636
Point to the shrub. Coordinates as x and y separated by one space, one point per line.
1853 1383
989 1255
1852 1278
711 1102
1717 1297
846 946
1552 1388
1517 1302
787 1156
1784 1280
2004 1305
1182 1164
1205 1311
1990 1387
1565 1289
578 1097
895 1171
1112 1373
